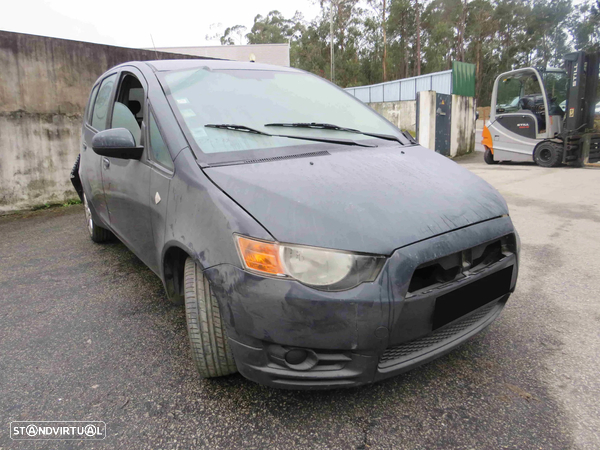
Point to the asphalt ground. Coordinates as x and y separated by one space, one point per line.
86 333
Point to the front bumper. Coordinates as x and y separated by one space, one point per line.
362 335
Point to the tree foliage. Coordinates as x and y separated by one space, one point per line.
424 36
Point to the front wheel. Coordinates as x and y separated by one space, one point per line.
206 330
548 154
97 234
488 156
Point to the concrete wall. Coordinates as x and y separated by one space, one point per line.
402 114
426 119
44 86
462 132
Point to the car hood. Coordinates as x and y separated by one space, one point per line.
368 200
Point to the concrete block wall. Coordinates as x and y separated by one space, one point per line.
44 86
462 132
403 114
426 119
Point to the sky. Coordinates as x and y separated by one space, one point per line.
130 23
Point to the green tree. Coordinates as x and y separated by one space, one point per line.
393 39
230 34
585 26
274 28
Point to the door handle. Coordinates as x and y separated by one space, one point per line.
105 163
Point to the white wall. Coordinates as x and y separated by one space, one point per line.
402 114
462 132
277 54
426 119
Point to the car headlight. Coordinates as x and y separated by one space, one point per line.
323 269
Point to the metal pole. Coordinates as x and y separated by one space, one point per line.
331 42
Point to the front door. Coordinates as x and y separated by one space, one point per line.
91 163
127 182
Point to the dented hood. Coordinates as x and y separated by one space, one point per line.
365 200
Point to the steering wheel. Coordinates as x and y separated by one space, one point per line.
522 103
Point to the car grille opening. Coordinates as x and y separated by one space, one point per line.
452 267
409 350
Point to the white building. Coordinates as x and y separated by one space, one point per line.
277 54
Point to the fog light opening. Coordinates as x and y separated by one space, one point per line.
296 356
300 359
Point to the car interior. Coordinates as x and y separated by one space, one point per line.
127 110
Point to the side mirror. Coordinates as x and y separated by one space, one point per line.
116 143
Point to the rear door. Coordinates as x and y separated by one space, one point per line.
127 182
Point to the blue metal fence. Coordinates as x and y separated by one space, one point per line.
405 89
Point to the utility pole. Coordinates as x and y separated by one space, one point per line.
384 44
331 43
418 14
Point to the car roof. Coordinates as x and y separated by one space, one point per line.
166 65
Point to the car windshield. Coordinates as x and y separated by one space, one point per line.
255 98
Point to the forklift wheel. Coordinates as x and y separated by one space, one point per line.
488 156
548 154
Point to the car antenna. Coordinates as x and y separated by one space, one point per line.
155 52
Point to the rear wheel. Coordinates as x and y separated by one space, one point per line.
206 330
488 156
548 154
98 234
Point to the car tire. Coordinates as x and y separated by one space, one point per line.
548 154
488 156
208 339
97 234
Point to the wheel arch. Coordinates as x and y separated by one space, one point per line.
173 269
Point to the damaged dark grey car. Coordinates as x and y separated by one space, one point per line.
313 244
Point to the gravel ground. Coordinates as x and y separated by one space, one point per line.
87 334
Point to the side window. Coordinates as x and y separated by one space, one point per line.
509 93
88 108
127 110
100 112
158 148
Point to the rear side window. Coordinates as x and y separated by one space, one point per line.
160 152
100 110
88 109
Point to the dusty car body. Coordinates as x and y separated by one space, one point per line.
308 256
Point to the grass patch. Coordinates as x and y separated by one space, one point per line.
69 202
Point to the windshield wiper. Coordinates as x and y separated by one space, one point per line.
245 129
330 126
320 126
234 127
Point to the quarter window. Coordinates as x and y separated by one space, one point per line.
159 151
88 109
100 113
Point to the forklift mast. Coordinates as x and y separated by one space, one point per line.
582 94
581 131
